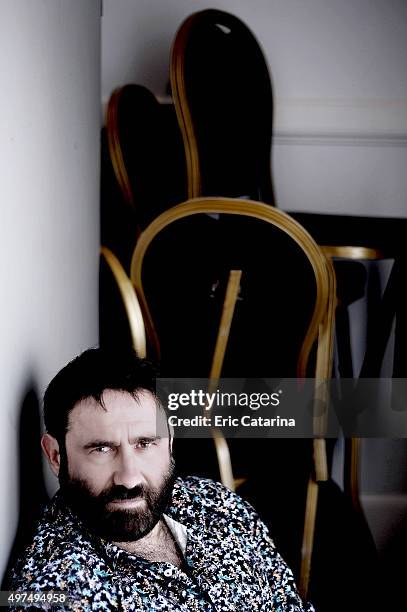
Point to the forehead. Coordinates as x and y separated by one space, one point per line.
120 410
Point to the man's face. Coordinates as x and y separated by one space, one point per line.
119 474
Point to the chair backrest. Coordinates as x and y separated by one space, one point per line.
234 238
223 97
145 150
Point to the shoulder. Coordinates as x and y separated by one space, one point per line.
51 566
58 558
196 497
205 491
212 508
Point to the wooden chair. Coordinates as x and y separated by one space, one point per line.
352 445
319 332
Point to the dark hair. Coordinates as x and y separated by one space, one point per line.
87 376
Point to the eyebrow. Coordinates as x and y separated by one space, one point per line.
110 444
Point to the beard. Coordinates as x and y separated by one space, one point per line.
118 525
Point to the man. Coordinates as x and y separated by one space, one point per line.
123 532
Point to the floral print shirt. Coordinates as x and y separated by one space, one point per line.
231 563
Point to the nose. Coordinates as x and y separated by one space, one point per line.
127 473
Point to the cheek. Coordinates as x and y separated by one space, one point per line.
158 466
96 475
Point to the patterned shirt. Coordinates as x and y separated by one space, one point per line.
231 563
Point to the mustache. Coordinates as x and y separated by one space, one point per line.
120 493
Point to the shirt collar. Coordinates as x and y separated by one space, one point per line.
179 532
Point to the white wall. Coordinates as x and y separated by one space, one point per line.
49 202
340 85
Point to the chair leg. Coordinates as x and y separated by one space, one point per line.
308 537
221 445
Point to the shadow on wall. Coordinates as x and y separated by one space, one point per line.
31 487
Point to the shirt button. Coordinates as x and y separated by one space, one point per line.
167 572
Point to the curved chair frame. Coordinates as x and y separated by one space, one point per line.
114 146
183 113
130 302
352 252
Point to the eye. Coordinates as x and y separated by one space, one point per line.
145 443
102 450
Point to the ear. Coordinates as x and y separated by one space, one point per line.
51 449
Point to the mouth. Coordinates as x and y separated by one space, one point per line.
126 503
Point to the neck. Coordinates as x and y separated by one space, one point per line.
152 538
156 546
